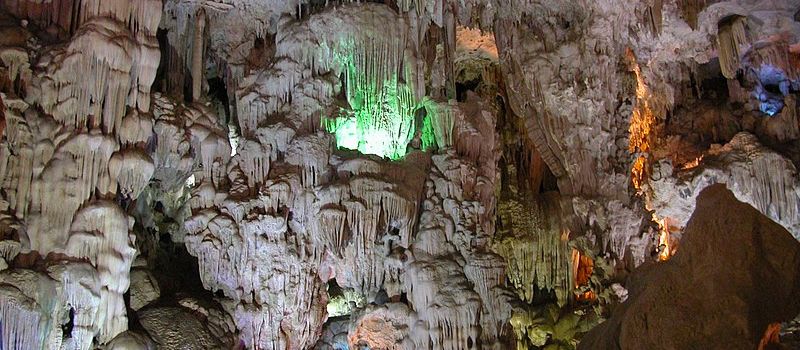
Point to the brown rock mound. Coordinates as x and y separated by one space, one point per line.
735 274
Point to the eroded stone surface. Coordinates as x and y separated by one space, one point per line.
755 263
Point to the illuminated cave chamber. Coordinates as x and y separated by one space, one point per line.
399 174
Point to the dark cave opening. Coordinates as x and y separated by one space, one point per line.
178 272
773 88
333 289
66 329
218 92
160 83
462 87
709 82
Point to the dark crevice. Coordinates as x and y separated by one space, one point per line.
711 83
773 88
218 92
66 328
463 87
159 85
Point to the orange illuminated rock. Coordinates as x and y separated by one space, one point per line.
770 339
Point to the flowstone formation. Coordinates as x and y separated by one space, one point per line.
401 174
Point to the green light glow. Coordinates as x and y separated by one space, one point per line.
346 131
382 117
380 124
428 136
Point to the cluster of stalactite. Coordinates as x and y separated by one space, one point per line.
442 191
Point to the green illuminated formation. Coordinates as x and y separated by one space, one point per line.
437 128
428 137
385 125
381 119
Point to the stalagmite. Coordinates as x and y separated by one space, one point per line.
100 233
144 288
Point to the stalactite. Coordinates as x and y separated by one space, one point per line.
208 140
690 9
254 160
286 284
21 151
32 307
80 292
139 16
120 66
132 169
21 321
173 152
655 16
78 167
536 249
449 46
331 225
312 153
85 99
446 281
730 39
487 273
374 70
197 54
59 12
448 311
775 54
438 125
104 98
274 213
19 69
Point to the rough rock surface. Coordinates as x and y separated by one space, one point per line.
736 272
176 328
144 288
130 341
